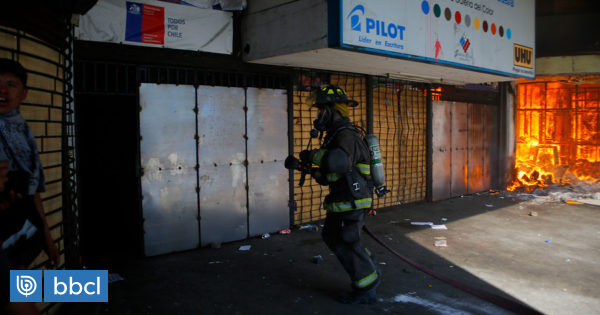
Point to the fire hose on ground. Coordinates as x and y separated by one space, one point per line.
498 300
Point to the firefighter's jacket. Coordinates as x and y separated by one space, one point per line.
350 190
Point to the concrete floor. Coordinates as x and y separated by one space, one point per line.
549 260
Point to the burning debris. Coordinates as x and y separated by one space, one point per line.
558 134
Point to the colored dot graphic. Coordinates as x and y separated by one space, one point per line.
459 18
425 7
437 10
448 14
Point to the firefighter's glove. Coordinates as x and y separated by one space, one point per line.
307 155
291 163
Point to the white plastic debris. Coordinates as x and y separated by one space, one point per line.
439 227
440 243
245 247
114 277
421 223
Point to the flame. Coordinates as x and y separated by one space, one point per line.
558 133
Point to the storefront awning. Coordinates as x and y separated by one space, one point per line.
455 42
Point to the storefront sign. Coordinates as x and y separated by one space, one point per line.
158 24
496 36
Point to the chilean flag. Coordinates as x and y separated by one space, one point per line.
145 23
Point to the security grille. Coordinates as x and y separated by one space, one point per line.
307 200
399 121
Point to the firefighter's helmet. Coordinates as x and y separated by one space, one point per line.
329 95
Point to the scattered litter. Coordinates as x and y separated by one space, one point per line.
245 247
548 241
573 202
429 285
440 241
309 227
439 227
285 231
568 260
412 292
114 277
489 206
444 219
383 263
594 202
317 259
214 262
451 266
421 223
525 196
265 236
539 193
533 214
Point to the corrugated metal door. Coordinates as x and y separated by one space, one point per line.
442 150
168 154
268 190
221 157
476 164
460 146
464 148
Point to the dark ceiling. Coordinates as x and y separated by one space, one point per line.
44 19
567 27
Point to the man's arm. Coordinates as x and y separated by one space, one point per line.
51 248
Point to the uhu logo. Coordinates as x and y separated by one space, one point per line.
523 56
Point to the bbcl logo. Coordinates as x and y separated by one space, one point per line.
25 285
59 286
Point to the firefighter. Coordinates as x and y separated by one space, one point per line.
342 163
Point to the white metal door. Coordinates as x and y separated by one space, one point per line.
268 188
221 157
168 159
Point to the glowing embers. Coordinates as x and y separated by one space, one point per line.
558 134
